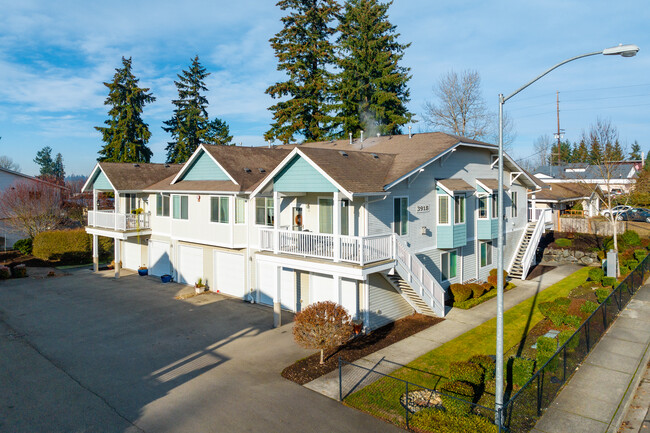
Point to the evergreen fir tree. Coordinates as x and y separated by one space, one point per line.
190 125
58 169
635 153
617 153
371 88
125 134
44 160
595 152
580 152
305 53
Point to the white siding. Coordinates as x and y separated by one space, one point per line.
385 304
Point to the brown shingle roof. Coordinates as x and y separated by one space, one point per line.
127 176
492 184
565 191
456 185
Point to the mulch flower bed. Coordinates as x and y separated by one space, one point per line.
309 368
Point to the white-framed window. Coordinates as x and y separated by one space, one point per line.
219 209
513 209
449 265
130 202
485 253
240 210
443 209
483 207
180 205
345 217
459 209
495 205
400 215
264 211
162 204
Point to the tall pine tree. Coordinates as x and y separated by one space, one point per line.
125 134
45 161
59 168
580 152
305 52
190 126
635 152
371 87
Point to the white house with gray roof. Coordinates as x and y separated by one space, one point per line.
381 226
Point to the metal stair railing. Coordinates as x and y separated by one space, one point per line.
529 255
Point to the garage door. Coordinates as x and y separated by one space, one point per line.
132 259
229 273
288 289
349 296
190 264
266 276
159 262
322 288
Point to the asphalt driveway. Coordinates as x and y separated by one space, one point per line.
87 353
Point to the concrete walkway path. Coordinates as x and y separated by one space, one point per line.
597 397
456 323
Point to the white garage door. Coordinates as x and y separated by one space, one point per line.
131 255
266 276
190 264
229 273
159 262
349 295
288 289
321 288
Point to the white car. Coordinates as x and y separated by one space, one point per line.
615 210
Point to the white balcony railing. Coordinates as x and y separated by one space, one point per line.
118 221
353 249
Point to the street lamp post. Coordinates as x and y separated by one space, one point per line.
621 50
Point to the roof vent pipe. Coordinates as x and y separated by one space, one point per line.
350 138
362 135
269 144
410 131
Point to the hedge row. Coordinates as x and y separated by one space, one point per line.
69 246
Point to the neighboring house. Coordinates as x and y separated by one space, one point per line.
617 177
564 196
381 226
8 178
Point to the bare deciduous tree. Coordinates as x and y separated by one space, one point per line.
8 163
31 207
461 110
323 325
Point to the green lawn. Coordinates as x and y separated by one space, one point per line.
429 369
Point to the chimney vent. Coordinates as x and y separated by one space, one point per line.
410 131
350 138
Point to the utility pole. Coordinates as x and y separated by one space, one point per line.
558 134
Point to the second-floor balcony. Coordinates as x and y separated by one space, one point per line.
121 222
352 249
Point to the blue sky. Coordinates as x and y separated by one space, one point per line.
54 57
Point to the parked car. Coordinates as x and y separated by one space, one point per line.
636 214
616 209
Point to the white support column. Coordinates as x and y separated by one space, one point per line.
95 253
94 207
231 219
116 203
277 298
118 257
276 222
336 226
366 303
338 282
533 205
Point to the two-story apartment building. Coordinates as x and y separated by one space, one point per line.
381 226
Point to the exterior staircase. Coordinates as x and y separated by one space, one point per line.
517 269
407 292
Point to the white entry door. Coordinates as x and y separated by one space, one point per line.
229 274
321 288
190 264
132 259
266 277
159 261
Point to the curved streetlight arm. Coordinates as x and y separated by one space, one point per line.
547 71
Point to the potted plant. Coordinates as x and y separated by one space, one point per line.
142 271
199 286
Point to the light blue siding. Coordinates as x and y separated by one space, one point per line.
487 228
101 182
445 236
299 176
204 168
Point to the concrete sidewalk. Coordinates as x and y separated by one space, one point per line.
456 323
597 397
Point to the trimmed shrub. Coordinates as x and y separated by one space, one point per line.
640 254
446 422
564 336
477 290
24 246
546 348
555 311
5 273
596 275
520 370
588 307
323 325
487 363
460 292
463 393
487 286
602 294
67 245
563 242
562 300
609 281
632 264
466 371
630 238
492 278
572 320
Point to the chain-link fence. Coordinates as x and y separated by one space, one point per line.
525 407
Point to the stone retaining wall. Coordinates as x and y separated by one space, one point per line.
562 256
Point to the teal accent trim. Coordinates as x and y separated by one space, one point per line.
204 168
299 176
479 188
487 228
452 236
100 182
